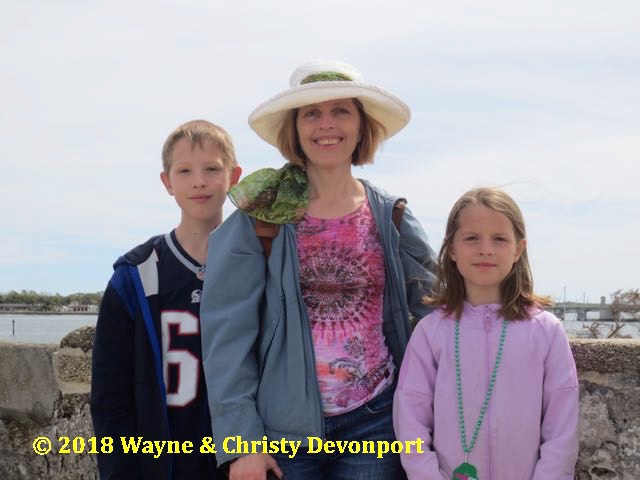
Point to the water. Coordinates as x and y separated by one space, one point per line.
41 328
52 328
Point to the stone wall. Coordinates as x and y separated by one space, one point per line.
609 372
44 391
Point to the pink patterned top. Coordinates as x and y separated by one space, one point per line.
342 278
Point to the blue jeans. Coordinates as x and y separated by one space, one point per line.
371 421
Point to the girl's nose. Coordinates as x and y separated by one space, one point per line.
486 247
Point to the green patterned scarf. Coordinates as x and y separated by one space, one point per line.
275 196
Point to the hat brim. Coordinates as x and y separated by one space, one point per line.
267 120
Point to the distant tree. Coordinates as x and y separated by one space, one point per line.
625 306
48 302
625 301
595 331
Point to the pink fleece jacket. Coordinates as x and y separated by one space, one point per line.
530 427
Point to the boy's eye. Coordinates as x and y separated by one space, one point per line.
183 170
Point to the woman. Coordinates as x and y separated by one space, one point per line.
305 340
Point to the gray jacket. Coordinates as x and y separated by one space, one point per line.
256 340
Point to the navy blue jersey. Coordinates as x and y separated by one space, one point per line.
147 377
179 288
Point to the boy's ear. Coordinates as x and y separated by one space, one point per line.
164 177
235 175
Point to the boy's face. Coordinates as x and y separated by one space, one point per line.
199 179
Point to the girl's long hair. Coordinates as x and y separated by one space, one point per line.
516 290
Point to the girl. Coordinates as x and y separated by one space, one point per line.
488 380
305 338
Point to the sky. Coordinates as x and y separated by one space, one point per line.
539 98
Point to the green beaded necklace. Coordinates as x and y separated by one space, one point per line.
466 470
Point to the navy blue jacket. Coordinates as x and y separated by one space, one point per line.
151 305
127 371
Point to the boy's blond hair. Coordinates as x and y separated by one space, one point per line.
516 289
373 132
197 132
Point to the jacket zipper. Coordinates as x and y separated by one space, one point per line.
487 324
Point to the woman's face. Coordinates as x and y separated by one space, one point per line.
329 132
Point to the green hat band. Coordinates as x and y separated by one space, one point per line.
326 77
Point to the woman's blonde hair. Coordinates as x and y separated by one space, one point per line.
372 134
516 289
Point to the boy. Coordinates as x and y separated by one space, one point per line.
147 378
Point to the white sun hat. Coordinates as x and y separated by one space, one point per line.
322 80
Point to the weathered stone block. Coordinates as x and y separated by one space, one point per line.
80 338
28 390
72 368
609 429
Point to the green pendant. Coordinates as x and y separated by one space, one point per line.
465 471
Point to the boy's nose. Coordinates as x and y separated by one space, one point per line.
198 180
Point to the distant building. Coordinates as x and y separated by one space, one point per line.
79 308
22 307
579 319
583 312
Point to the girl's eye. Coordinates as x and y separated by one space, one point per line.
183 170
470 238
212 169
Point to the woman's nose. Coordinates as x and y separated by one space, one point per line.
327 121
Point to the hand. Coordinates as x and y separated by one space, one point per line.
254 467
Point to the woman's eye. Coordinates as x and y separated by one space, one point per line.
310 114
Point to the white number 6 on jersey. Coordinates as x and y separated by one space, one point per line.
188 364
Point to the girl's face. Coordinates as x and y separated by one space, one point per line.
329 132
484 249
